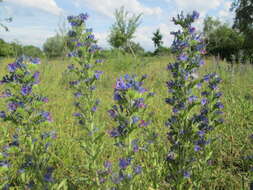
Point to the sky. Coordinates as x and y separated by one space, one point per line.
36 20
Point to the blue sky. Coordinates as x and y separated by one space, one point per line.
36 20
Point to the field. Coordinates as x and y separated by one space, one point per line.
231 145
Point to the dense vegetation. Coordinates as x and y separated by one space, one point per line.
125 119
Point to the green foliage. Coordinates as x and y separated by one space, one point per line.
14 49
210 24
231 145
162 51
244 22
135 47
54 46
5 49
122 31
32 51
222 40
157 38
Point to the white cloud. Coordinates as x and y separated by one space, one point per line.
199 5
102 39
225 14
45 5
107 7
144 35
28 35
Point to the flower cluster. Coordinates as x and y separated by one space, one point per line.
25 155
196 107
86 104
129 114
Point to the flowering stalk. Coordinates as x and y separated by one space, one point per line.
86 104
196 108
24 160
129 114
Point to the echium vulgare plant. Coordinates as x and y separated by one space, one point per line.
129 115
86 103
196 108
25 161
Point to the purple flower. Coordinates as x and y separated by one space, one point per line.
2 114
183 57
12 67
25 90
199 85
112 113
48 176
204 101
135 119
201 133
139 103
192 30
91 37
99 61
195 15
121 85
45 100
117 97
218 95
219 105
137 169
84 16
192 99
94 48
108 165
97 74
12 106
78 94
36 77
35 60
124 163
197 148
135 145
114 132
71 33
94 109
206 78
77 114
144 123
201 62
74 83
186 174
47 116
71 67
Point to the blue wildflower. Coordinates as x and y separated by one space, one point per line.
124 162
25 90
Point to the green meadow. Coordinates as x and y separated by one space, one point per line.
231 140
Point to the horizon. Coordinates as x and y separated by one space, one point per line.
36 20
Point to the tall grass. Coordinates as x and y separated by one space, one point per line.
232 144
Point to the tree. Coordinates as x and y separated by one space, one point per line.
157 38
32 51
244 22
225 42
122 31
210 24
136 47
17 48
54 47
5 49
62 32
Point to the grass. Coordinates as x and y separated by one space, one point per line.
231 145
